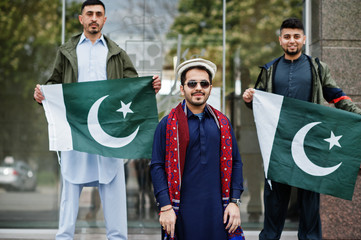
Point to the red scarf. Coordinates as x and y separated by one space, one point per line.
177 139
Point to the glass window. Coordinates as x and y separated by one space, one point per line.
157 35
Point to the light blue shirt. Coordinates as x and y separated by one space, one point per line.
92 59
79 167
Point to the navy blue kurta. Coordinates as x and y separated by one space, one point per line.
201 212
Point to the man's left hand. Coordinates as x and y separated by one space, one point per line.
233 215
157 83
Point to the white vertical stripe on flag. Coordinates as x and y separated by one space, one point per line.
266 111
55 111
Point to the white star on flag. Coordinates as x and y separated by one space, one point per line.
333 140
125 108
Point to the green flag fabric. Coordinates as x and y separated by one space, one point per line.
112 118
308 145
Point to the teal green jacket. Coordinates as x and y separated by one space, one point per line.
323 85
65 69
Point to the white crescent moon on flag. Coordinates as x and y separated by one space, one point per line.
98 133
300 157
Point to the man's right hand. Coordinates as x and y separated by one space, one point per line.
167 219
248 95
38 95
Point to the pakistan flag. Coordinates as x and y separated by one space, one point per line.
307 145
112 118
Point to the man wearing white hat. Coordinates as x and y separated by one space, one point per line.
196 167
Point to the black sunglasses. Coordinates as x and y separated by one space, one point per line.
204 84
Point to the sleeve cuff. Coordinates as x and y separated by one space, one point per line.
236 193
163 198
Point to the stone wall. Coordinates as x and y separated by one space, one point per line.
336 40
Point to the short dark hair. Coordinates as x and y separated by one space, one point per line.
294 23
183 75
91 2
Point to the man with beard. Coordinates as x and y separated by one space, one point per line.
299 76
196 168
91 56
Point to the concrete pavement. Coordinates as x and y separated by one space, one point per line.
99 234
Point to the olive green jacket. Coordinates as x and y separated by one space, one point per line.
323 85
65 69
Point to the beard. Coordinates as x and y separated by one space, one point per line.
195 101
93 30
298 50
292 53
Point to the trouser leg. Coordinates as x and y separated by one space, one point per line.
310 221
69 206
275 204
113 197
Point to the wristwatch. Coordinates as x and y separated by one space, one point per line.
236 201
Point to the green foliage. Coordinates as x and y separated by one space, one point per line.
251 31
31 31
30 35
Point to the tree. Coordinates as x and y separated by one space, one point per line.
31 32
251 30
